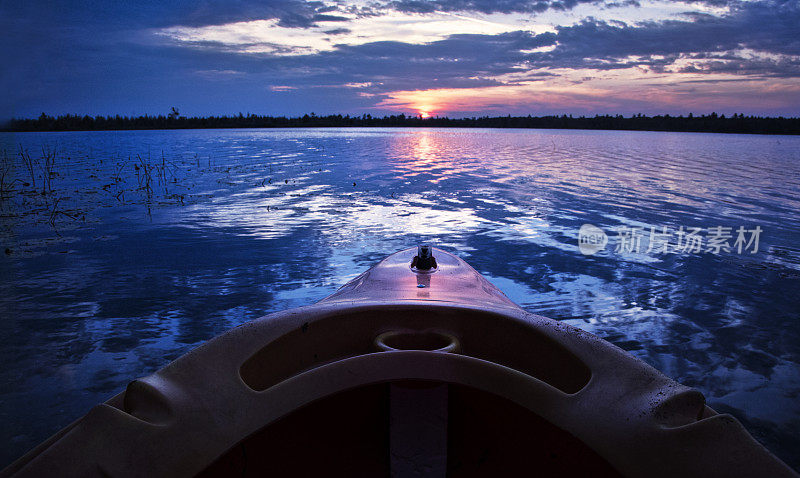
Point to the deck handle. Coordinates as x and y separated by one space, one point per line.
427 340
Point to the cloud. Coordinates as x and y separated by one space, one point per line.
755 38
496 6
273 37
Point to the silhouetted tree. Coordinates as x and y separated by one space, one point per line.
737 123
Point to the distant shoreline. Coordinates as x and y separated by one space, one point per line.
711 123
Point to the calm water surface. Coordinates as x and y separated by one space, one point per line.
145 244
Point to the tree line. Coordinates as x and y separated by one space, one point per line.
710 123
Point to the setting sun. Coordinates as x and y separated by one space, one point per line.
424 110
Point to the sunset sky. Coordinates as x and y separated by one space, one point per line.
440 57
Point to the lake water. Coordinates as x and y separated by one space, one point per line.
142 245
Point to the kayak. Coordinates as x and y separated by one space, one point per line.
417 367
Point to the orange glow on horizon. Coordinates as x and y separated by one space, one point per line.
599 95
425 102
